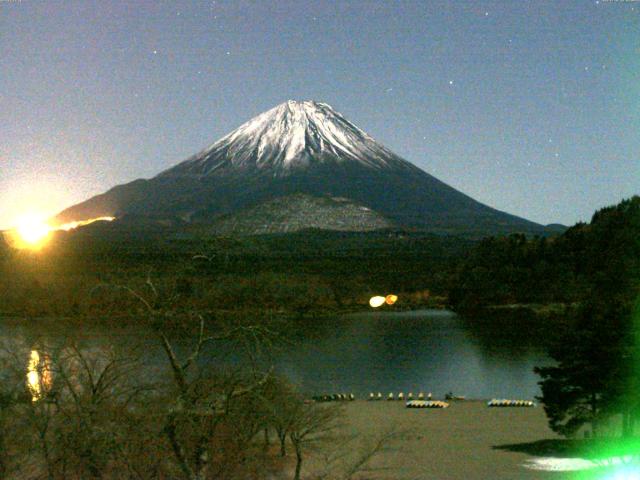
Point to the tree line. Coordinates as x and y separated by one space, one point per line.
596 380
541 270
593 270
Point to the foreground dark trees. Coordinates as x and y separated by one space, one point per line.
592 374
597 376
90 413
92 409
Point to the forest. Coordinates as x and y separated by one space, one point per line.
591 275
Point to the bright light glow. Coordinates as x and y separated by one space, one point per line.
38 375
81 223
553 464
32 231
391 299
623 470
377 301
627 472
614 468
33 377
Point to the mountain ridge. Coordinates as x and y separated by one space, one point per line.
301 148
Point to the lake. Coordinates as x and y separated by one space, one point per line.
428 350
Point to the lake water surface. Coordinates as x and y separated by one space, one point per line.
429 350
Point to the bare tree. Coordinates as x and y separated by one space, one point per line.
199 404
75 411
366 452
84 407
352 454
13 396
313 424
281 403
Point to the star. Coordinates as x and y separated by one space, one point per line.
155 52
450 82
486 14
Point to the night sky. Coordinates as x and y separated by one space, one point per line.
529 107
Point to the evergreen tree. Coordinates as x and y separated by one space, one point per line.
598 362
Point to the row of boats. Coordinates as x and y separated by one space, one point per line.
336 397
427 404
400 396
422 400
503 402
341 397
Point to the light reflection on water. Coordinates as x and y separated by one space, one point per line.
38 375
431 351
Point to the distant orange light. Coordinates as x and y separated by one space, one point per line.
391 299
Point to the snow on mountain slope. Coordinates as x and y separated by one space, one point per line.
291 135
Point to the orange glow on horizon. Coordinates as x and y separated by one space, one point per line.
81 223
33 231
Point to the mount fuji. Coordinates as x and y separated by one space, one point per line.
297 166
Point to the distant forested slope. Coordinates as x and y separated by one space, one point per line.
564 269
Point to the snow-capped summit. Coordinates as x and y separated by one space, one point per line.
300 165
291 135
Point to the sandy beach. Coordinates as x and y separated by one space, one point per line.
459 442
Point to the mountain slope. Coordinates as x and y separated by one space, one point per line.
301 148
298 212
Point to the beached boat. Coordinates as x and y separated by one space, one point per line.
503 402
426 404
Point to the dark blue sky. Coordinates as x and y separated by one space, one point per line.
528 106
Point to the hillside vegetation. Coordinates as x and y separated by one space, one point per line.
563 269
